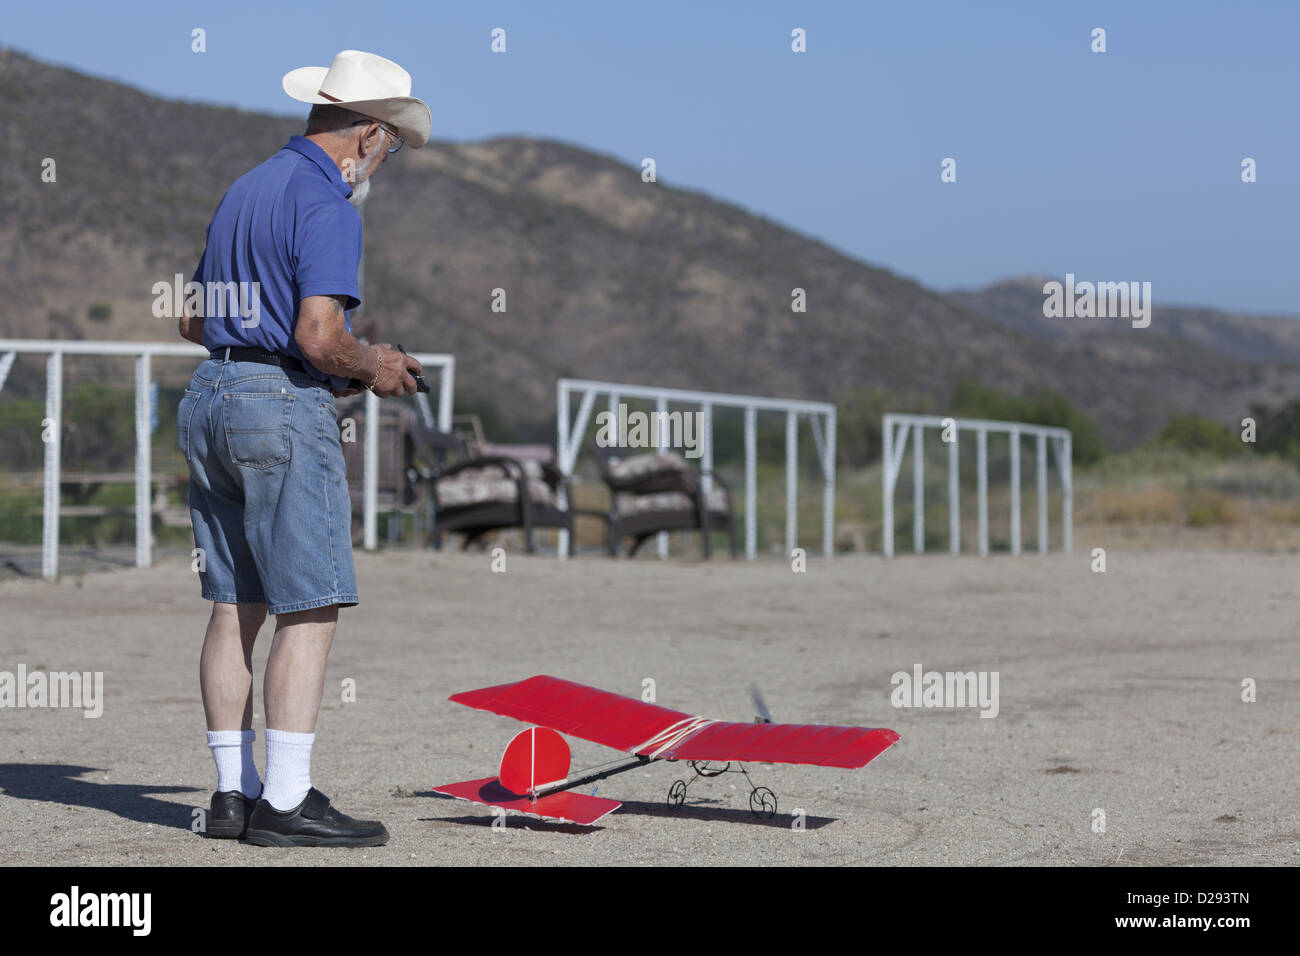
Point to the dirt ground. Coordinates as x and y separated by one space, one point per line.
1120 694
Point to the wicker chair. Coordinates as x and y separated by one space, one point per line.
650 493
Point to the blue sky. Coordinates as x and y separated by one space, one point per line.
1123 165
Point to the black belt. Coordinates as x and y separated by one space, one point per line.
250 353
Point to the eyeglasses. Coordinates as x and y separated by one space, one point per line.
398 140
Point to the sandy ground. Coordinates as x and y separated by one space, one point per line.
1119 692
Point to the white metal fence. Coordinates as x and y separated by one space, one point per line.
144 353
442 421
896 430
821 419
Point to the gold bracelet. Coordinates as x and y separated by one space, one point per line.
380 356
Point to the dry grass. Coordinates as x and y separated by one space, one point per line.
1144 499
1151 504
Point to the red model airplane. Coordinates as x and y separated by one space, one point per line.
534 769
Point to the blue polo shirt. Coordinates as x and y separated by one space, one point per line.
287 226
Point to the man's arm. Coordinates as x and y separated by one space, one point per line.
191 326
325 342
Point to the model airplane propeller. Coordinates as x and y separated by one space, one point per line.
534 776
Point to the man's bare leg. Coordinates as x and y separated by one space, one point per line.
226 680
295 671
295 681
292 812
226 665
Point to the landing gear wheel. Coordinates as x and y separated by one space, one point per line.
762 802
676 794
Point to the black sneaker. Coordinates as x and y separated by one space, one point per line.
312 823
228 814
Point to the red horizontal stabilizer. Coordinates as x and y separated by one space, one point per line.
814 744
565 807
596 715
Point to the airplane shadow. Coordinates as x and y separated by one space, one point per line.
58 783
513 820
516 821
691 810
698 809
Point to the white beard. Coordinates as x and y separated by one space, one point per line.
360 192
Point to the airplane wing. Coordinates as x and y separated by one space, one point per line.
596 715
649 730
816 744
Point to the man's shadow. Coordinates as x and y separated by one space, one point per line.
58 783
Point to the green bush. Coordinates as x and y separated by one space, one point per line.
857 420
1048 407
1193 433
20 518
99 427
1277 430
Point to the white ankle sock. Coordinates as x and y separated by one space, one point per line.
233 752
288 768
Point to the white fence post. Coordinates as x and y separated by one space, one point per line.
1041 477
562 443
828 484
918 490
1015 491
791 482
894 433
661 412
751 482
143 465
446 386
53 449
706 446
886 487
954 498
370 475
982 489
6 363
1065 464
569 447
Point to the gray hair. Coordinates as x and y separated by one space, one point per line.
328 118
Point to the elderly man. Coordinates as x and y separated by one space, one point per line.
268 489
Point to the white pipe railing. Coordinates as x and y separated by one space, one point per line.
821 416
896 431
144 352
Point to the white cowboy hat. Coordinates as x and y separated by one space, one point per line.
366 84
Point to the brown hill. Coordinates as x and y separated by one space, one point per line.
605 276
1019 302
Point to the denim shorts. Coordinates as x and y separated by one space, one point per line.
268 487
